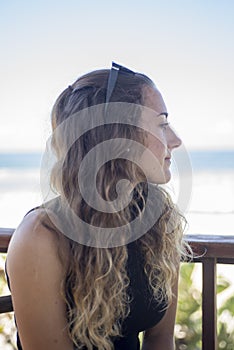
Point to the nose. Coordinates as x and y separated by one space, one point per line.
173 140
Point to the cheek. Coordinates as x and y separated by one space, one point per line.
157 146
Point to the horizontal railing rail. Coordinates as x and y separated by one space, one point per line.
5 237
208 250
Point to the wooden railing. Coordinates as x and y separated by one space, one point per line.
209 250
5 237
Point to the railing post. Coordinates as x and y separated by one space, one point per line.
209 308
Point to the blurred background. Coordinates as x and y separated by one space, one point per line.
185 46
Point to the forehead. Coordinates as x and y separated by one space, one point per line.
153 99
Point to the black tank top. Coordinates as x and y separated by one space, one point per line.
145 311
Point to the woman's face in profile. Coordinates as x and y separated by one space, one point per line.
161 139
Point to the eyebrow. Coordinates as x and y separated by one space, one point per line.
163 113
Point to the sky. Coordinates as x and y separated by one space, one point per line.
185 46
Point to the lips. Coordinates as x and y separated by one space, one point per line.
168 160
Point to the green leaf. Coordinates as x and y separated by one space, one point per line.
222 284
228 305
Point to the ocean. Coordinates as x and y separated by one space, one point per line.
209 209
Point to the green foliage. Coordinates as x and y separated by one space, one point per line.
188 325
188 330
226 325
7 325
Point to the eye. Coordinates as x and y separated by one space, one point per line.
164 126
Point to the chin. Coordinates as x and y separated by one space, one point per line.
161 180
168 176
165 179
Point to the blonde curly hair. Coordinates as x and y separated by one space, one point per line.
95 281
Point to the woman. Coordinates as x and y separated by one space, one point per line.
72 288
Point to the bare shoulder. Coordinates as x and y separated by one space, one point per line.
36 273
31 237
33 244
31 229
